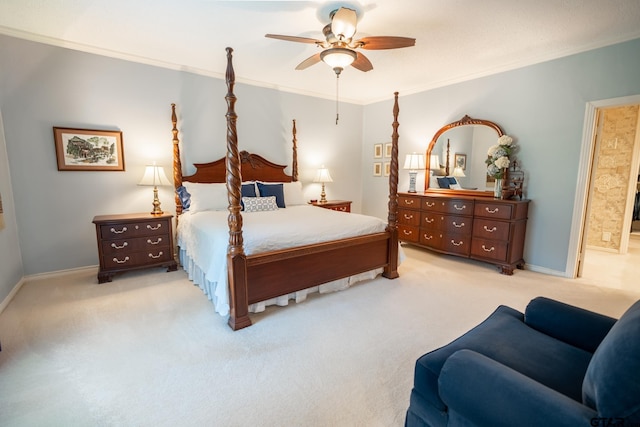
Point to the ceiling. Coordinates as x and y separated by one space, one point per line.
456 40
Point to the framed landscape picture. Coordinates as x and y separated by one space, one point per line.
88 150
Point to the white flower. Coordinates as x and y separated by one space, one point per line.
492 150
505 140
502 162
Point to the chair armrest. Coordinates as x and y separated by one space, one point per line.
574 325
486 393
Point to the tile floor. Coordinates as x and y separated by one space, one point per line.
617 271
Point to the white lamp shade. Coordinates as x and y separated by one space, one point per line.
458 172
434 162
323 175
338 57
414 161
154 175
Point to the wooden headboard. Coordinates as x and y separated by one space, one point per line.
253 167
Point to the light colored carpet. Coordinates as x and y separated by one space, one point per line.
148 349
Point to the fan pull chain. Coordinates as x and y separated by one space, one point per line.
337 102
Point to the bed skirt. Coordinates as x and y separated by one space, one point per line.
219 295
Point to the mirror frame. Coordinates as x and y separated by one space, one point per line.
465 121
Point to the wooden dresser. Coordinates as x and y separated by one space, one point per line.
133 241
481 228
335 205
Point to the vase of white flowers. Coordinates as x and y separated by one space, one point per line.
498 161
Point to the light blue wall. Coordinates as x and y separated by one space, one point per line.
42 86
542 107
11 270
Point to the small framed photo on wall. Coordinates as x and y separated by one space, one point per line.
387 168
377 169
387 150
377 151
460 161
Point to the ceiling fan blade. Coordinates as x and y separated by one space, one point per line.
312 60
384 42
294 39
343 23
362 63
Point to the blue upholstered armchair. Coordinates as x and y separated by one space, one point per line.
554 365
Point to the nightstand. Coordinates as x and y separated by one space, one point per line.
334 205
133 241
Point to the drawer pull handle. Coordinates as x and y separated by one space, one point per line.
492 211
406 216
156 256
461 208
430 204
343 209
113 230
408 202
489 230
407 232
150 227
429 220
124 245
156 242
458 225
453 242
117 261
491 249
426 237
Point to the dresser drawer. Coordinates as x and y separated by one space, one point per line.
494 250
456 243
136 259
408 233
408 217
458 224
432 238
134 229
411 202
431 220
493 210
454 206
135 244
488 229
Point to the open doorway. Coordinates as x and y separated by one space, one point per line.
602 246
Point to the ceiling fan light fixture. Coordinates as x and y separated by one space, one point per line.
338 57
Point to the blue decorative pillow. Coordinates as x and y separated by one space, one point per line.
248 190
257 204
443 182
185 197
276 190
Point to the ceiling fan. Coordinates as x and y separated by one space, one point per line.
339 46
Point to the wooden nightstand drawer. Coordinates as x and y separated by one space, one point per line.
335 205
127 242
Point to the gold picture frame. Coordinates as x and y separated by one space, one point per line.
377 151
377 169
387 150
88 149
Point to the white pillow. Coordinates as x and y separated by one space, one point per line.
257 204
207 197
293 193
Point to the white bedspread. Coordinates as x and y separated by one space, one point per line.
203 238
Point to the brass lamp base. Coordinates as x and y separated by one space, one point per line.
323 195
156 203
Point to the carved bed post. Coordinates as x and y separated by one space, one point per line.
391 270
236 258
177 165
294 164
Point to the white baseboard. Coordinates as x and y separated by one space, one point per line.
545 270
13 293
41 276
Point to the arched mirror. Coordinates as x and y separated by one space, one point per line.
459 150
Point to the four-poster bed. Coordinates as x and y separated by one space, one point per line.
253 277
